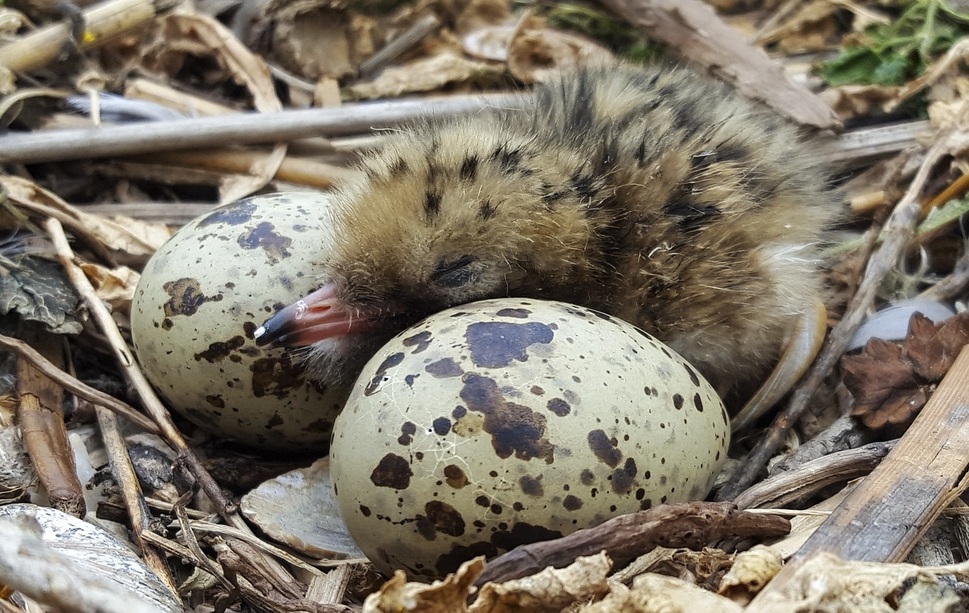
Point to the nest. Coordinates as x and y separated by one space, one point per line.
854 478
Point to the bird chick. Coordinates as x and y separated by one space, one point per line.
655 195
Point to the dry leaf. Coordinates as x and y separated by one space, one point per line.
447 596
488 43
705 568
890 381
751 571
478 14
883 384
114 286
932 348
851 101
186 32
426 74
38 290
827 583
550 590
652 593
810 28
248 69
314 43
535 51
135 238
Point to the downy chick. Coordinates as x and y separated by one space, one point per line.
654 195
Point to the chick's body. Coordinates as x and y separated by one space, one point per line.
654 195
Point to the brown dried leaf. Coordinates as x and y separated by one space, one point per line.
478 14
658 594
535 52
751 571
704 568
882 383
827 583
890 381
115 286
447 596
251 71
129 236
314 43
550 590
810 28
932 348
851 101
426 74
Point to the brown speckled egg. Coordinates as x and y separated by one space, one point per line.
201 297
509 421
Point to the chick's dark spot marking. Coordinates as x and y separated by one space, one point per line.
585 185
692 217
508 161
398 167
432 204
486 210
469 168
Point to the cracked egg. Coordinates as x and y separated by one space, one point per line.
504 422
198 302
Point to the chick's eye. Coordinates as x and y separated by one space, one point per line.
454 273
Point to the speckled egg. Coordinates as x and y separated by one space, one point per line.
504 422
201 297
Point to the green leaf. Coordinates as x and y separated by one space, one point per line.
853 65
892 71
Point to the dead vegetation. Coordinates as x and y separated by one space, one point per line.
125 119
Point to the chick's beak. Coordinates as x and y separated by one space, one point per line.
317 316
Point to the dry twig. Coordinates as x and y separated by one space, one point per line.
688 524
79 389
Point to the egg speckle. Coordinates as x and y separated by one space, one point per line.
201 298
504 422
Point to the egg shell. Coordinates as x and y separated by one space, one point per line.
504 422
201 297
